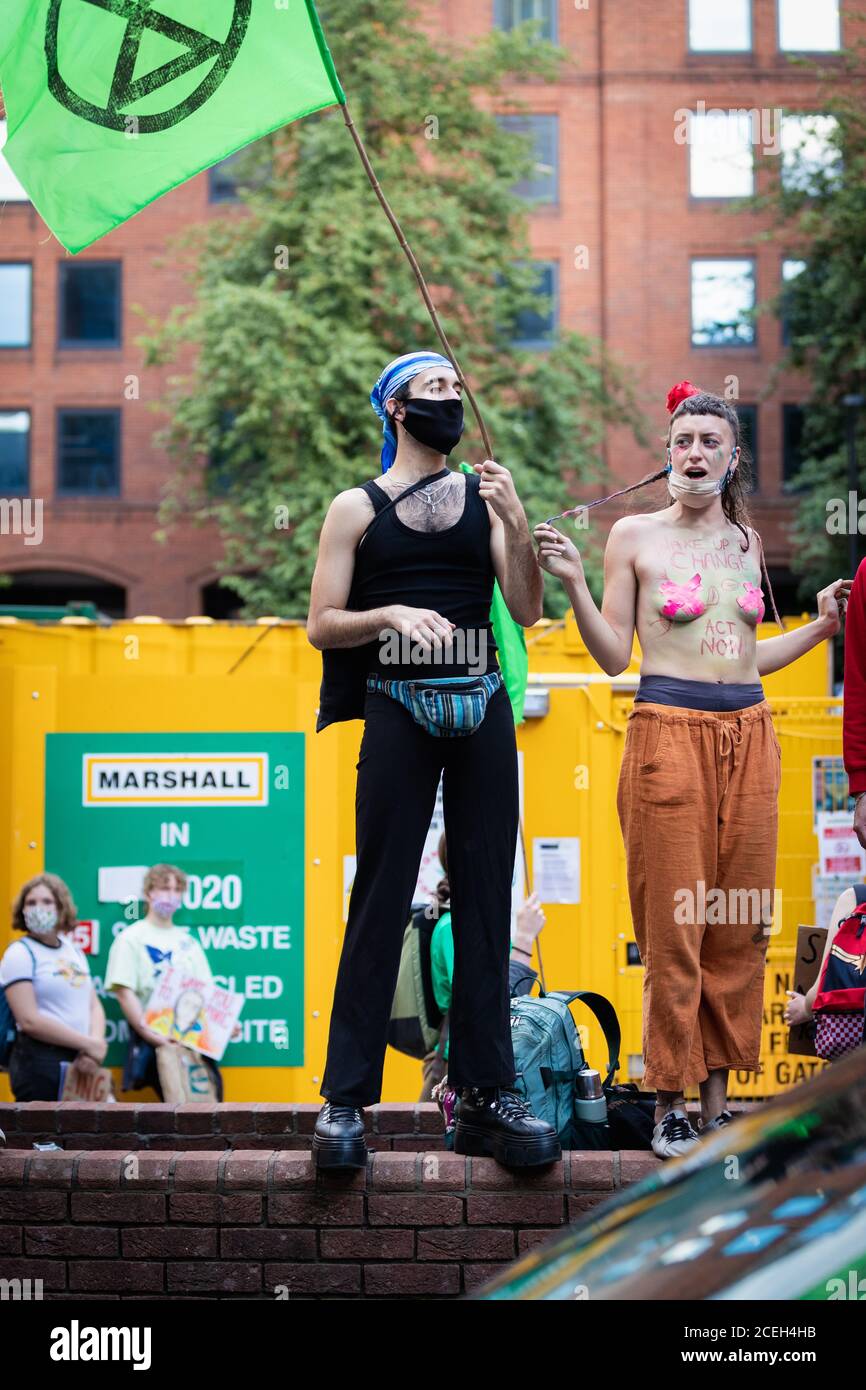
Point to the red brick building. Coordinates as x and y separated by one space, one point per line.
631 225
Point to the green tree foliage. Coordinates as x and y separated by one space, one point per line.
819 216
301 298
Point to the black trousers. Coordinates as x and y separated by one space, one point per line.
34 1068
398 773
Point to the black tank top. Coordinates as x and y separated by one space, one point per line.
449 571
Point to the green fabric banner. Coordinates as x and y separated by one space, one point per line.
111 103
511 642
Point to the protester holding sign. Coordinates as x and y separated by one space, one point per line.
57 1012
139 956
854 701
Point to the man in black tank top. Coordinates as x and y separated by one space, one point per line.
407 601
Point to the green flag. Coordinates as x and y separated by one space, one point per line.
511 642
513 657
111 103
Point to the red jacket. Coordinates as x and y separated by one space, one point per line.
854 707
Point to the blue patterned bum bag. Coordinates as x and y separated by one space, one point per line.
446 708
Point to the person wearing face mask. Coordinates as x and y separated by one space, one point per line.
58 1015
699 783
400 608
138 957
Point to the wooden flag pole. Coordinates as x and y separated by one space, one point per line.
419 276
449 351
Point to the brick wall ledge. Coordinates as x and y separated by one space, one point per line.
578 1171
262 1225
229 1126
391 1127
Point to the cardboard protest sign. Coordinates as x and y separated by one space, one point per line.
194 1012
807 963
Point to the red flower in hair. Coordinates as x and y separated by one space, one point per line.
681 392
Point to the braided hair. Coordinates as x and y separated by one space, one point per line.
739 484
686 399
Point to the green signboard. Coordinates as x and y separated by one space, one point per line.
227 809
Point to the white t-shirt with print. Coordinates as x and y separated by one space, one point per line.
142 952
60 978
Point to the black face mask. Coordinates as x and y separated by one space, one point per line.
438 424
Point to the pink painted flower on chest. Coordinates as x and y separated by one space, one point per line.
682 601
752 601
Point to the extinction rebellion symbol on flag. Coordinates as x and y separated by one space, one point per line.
141 20
196 79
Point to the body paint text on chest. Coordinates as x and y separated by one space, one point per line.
697 555
722 639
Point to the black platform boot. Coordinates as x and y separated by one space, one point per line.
338 1138
495 1121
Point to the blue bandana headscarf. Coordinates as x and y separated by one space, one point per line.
395 375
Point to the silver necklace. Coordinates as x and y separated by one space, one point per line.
431 493
431 497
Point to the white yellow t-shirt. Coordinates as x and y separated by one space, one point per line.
142 952
60 977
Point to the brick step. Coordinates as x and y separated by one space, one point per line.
261 1224
392 1127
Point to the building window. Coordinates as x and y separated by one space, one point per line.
237 455
88 452
89 313
507 14
14 451
245 170
222 185
11 190
748 418
720 26
16 284
542 183
792 445
723 301
219 473
809 26
810 159
791 269
721 163
536 328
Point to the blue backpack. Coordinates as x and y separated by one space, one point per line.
8 1026
548 1053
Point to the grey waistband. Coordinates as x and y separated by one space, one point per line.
709 695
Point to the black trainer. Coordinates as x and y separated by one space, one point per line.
338 1138
496 1122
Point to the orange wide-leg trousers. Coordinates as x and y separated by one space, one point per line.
698 805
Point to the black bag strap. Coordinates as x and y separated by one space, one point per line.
375 496
605 1015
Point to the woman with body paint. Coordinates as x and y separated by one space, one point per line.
698 789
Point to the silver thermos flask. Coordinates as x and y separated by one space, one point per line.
589 1101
